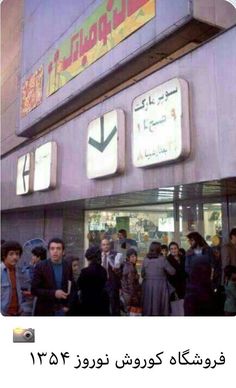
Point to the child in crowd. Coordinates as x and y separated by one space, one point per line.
164 250
39 253
75 266
74 262
130 287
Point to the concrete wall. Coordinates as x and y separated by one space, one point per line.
68 14
68 224
210 73
42 37
27 225
11 38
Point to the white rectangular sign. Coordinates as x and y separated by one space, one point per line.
105 146
24 180
161 124
45 166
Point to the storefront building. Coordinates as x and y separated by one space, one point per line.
126 120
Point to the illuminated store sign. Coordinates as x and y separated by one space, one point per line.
105 148
161 124
24 180
36 172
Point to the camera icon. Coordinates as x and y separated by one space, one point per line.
23 335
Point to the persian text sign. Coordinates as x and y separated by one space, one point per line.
32 92
161 124
111 22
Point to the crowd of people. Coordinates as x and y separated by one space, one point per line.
198 282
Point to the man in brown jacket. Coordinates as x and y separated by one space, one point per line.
228 253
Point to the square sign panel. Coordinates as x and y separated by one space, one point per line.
45 169
106 145
24 180
161 131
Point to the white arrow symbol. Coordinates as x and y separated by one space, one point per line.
233 2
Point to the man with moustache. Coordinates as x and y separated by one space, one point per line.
51 282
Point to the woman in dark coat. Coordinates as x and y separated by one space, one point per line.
177 260
199 268
94 300
155 298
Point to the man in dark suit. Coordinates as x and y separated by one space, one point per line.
52 281
112 261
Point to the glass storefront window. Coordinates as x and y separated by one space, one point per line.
190 220
163 223
232 213
143 224
203 218
212 213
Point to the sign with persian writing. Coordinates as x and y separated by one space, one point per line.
24 176
105 149
161 124
32 92
110 23
45 168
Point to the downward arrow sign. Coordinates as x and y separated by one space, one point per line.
101 146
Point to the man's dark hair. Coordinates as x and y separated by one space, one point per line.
232 233
199 240
164 246
123 232
154 250
131 252
56 240
93 254
10 246
40 252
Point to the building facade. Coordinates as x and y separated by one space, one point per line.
125 119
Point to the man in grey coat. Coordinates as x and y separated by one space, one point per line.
112 261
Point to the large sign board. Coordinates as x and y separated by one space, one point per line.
24 176
110 23
105 146
161 131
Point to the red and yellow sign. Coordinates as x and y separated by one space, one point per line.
111 22
32 92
